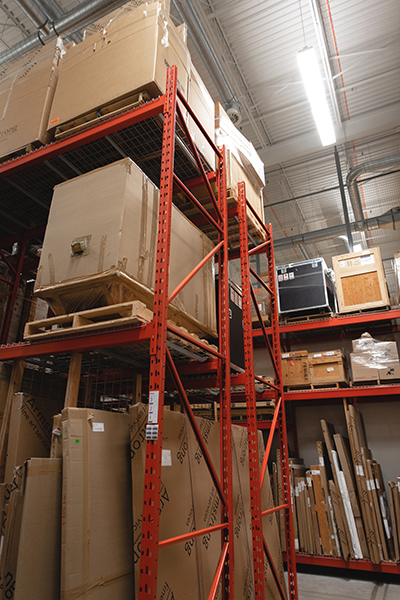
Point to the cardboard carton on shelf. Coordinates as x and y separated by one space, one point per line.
26 93
360 281
327 367
133 51
100 248
30 430
362 368
38 563
295 368
96 526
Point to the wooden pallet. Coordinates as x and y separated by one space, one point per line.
305 318
20 152
266 320
88 320
374 382
99 115
317 386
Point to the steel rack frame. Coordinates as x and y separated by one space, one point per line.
161 360
358 393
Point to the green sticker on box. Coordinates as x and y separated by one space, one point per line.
76 441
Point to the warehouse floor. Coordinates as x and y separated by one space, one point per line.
327 587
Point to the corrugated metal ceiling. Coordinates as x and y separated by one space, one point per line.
256 43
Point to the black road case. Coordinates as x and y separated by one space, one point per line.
236 323
306 288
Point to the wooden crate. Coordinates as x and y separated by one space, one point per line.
360 281
328 368
295 369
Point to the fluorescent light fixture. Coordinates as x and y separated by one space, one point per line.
316 94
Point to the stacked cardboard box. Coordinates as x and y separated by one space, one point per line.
373 360
340 506
295 368
187 569
27 89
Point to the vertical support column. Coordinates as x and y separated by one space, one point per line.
290 551
254 464
152 481
74 377
11 303
224 377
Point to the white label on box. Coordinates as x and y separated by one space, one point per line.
166 458
377 484
309 481
321 461
286 355
330 353
296 544
286 276
342 263
97 426
367 260
371 484
153 407
315 472
296 490
330 369
360 470
291 275
317 355
280 277
368 485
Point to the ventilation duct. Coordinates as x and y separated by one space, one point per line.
78 17
389 220
352 184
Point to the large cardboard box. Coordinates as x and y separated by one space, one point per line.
178 566
189 500
295 368
26 92
202 104
30 430
129 55
360 281
96 527
100 248
38 564
327 367
363 369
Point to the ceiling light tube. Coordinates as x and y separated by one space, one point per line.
316 94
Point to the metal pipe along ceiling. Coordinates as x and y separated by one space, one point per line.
80 16
204 48
38 18
352 184
389 220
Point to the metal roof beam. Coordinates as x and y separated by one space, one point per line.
359 127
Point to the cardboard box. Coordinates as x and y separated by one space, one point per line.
96 528
391 370
97 27
100 248
264 304
178 565
26 92
362 368
128 56
228 135
327 367
295 368
30 430
360 281
38 564
189 499
202 104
